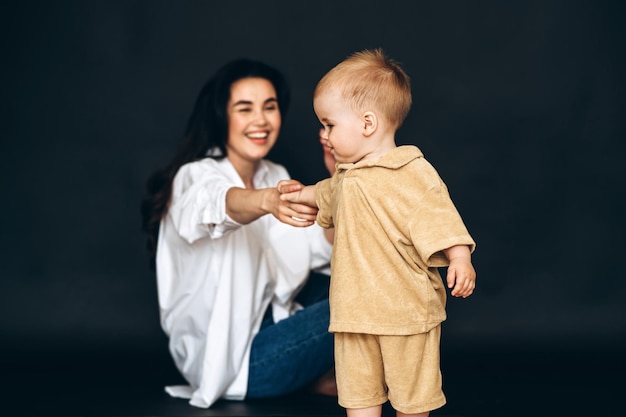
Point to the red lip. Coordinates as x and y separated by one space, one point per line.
258 141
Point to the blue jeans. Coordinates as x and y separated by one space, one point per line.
289 355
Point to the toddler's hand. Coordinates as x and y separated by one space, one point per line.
461 277
289 186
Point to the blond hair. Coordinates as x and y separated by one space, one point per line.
368 80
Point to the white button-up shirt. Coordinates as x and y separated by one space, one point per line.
217 277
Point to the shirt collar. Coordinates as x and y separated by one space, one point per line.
394 159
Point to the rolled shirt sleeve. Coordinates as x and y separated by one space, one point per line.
198 207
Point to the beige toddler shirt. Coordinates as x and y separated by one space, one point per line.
393 218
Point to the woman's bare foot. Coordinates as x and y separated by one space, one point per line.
326 384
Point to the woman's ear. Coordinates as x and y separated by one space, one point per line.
370 123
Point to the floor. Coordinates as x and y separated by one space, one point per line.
584 384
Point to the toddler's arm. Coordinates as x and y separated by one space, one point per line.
461 276
295 192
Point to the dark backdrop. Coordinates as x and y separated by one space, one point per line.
519 105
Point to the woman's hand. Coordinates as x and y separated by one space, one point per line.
329 159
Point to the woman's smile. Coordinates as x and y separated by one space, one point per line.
258 137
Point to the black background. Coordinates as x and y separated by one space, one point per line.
519 105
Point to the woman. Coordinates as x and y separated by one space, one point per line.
227 272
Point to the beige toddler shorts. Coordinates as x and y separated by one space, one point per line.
410 377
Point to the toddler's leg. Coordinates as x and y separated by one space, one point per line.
425 414
375 411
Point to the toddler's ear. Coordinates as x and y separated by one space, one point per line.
370 123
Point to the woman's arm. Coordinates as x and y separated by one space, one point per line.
330 235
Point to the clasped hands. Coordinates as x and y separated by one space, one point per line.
292 209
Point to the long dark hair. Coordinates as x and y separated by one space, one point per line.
207 129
